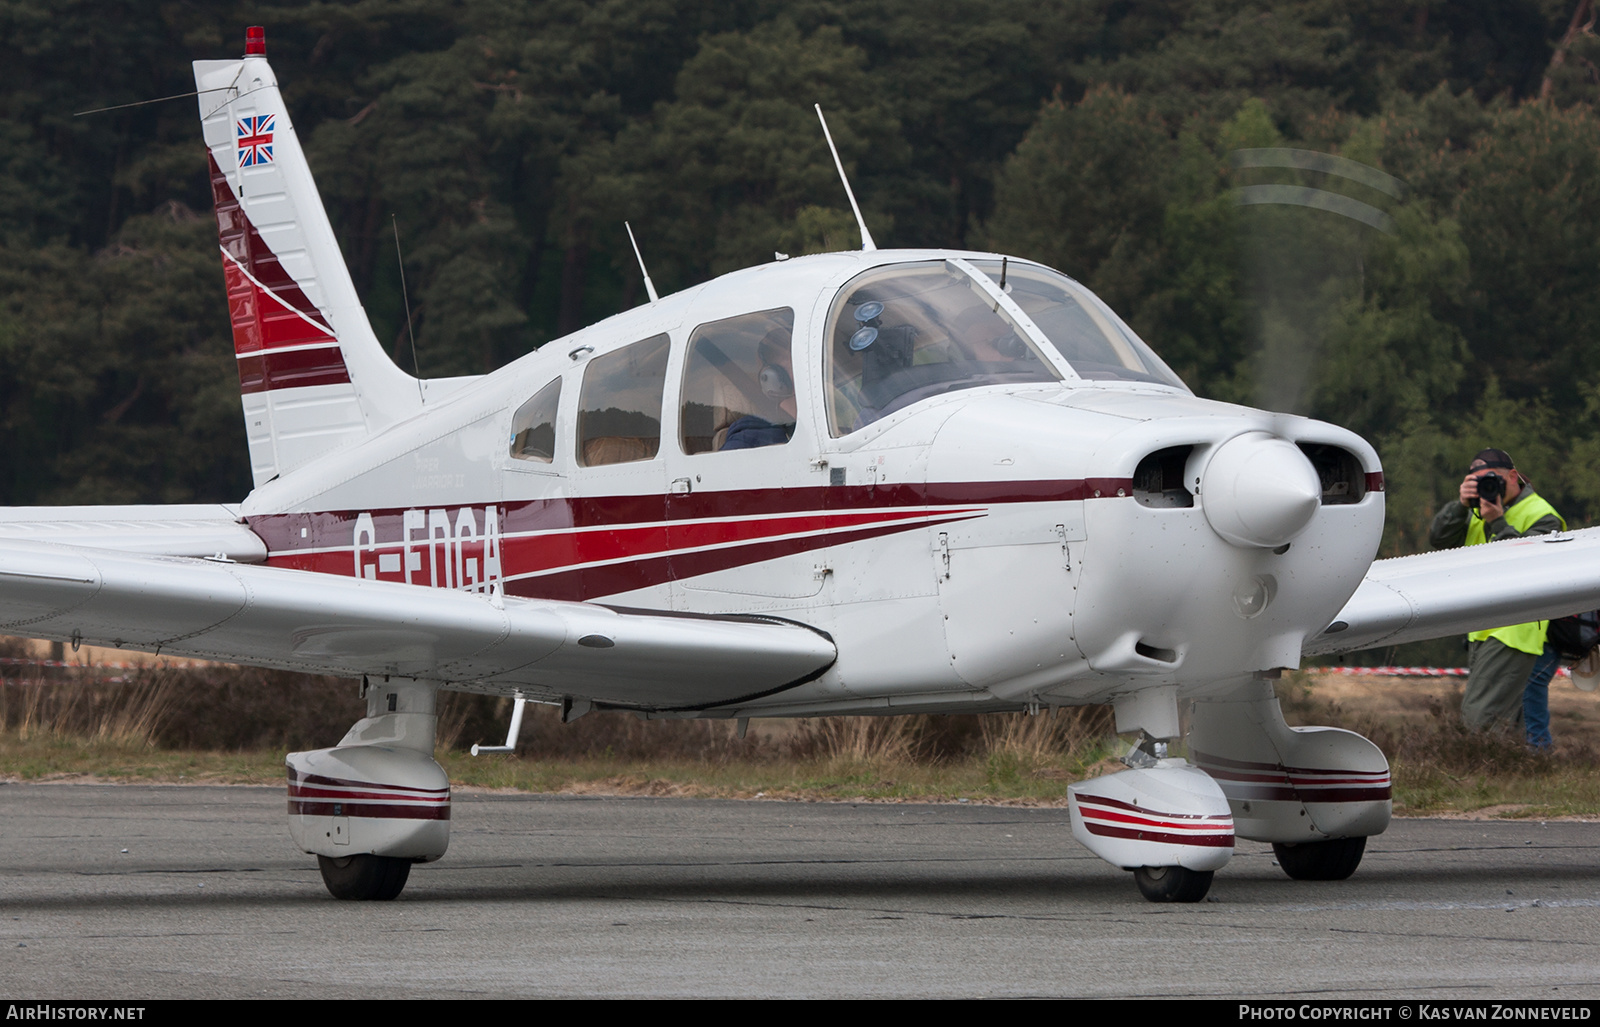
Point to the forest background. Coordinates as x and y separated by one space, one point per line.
508 141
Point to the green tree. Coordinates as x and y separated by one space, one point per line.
728 164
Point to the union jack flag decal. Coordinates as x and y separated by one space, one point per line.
255 140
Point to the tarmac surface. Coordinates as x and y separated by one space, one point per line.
122 892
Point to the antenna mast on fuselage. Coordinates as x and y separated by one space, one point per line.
867 245
649 286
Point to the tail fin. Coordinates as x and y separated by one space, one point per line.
312 374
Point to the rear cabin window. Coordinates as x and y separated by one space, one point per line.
533 427
619 411
738 383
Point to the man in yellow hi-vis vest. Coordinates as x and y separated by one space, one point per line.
1495 502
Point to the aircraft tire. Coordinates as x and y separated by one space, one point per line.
1172 884
1332 860
363 877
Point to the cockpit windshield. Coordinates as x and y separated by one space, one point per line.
1083 330
903 333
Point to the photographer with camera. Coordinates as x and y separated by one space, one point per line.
1509 669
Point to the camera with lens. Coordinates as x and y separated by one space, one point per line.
1491 487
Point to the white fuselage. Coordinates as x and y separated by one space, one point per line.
980 549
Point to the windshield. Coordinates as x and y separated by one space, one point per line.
903 333
1083 330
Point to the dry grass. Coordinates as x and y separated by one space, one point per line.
1439 766
217 723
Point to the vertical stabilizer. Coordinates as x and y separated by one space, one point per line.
312 374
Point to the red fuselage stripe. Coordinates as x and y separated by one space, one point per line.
598 546
335 529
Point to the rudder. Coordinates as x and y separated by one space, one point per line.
312 374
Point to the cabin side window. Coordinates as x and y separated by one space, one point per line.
533 427
619 410
738 383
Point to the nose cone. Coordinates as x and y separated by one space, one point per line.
1259 491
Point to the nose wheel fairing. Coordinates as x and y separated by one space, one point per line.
1156 820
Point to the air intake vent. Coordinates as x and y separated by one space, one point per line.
1343 480
1158 480
1151 652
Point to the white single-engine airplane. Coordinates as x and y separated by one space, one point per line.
855 483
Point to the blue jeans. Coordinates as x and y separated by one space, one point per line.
1536 699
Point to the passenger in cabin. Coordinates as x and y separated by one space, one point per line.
776 379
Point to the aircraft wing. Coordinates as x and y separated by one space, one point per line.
294 620
1454 591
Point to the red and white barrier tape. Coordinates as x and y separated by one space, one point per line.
1377 672
1408 672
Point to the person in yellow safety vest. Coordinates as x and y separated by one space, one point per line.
1502 662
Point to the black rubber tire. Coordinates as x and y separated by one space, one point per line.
365 877
1172 884
1332 860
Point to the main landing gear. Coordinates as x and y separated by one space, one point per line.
1320 861
364 876
1315 793
375 803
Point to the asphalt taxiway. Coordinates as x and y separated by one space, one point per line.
124 892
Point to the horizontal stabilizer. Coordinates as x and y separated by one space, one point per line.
196 530
1412 598
322 624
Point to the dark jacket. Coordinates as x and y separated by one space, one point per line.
1449 528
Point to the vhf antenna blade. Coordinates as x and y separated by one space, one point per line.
649 286
867 245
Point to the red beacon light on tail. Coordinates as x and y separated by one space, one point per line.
255 41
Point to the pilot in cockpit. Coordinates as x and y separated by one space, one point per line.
776 381
984 338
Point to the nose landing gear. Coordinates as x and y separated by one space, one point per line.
1166 821
1172 884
